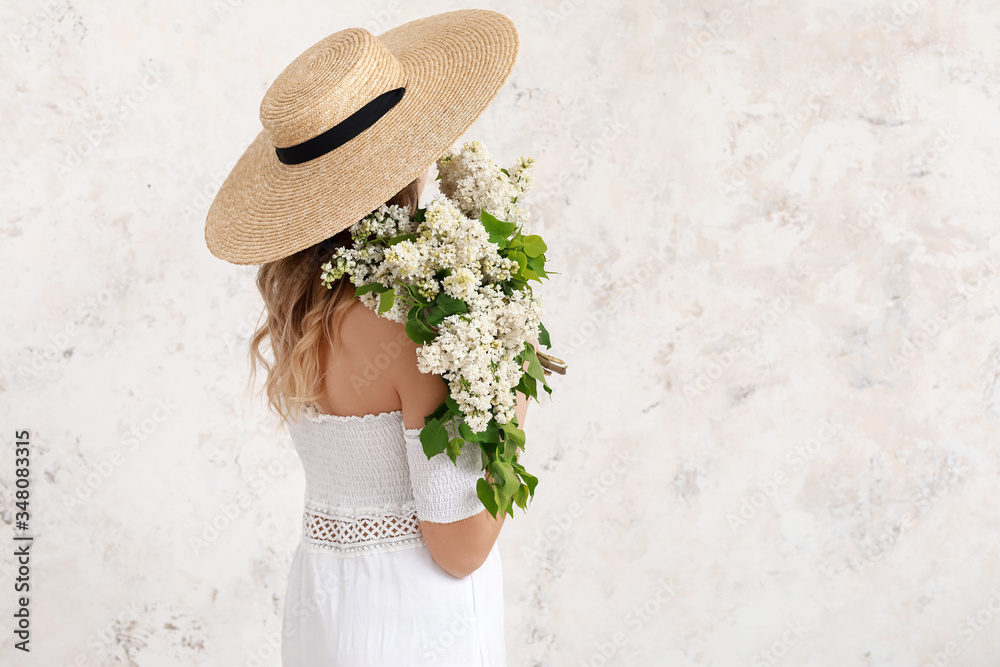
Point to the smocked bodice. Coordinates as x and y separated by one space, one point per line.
353 461
369 483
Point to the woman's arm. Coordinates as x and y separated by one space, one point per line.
459 547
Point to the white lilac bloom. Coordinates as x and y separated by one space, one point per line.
450 251
473 180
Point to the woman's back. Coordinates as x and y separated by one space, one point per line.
364 588
372 358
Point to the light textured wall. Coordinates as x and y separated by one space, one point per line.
776 231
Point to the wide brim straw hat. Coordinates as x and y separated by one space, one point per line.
352 121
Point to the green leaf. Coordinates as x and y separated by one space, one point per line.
513 285
450 304
435 315
439 412
455 448
385 301
412 289
490 448
452 406
543 336
519 257
370 287
530 480
491 434
513 434
535 369
504 472
445 305
498 230
534 245
422 317
402 237
418 331
507 173
434 438
509 449
487 496
521 496
528 386
466 432
537 264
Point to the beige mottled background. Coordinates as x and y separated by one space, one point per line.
777 231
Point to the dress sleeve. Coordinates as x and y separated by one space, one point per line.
443 491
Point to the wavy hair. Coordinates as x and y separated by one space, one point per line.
300 316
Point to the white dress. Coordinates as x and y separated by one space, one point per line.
363 590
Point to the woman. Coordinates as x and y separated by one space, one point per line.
398 562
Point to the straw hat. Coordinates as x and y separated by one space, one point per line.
352 121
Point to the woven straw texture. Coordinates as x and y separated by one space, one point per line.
452 66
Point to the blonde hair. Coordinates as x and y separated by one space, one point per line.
300 316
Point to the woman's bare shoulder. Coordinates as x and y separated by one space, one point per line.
385 344
365 334
362 328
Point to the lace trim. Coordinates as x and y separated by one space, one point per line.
372 532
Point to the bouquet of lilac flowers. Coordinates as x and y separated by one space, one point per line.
457 276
